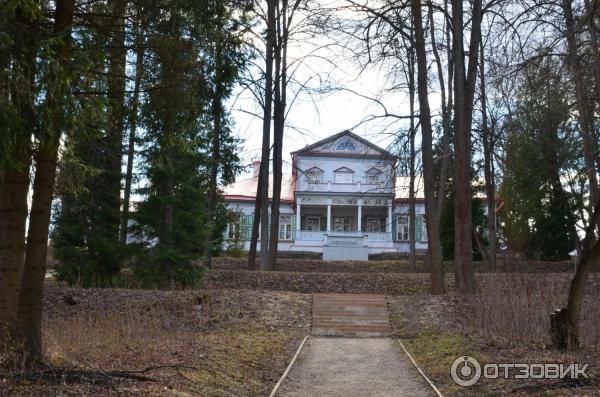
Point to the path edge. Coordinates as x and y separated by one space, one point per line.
289 367
435 389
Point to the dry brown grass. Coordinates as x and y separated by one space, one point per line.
127 342
507 323
513 310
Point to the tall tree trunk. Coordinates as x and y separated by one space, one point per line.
594 46
110 188
582 104
166 213
31 294
255 224
217 116
15 169
488 153
133 117
564 325
433 236
464 86
412 218
279 120
446 104
263 188
12 242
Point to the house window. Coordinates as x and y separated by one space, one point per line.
373 179
373 225
421 228
313 176
342 224
402 228
285 227
313 223
343 177
346 146
233 231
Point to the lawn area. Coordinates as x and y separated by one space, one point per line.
165 343
236 335
507 323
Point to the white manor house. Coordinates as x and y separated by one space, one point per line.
342 194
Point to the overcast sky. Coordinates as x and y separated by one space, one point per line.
314 117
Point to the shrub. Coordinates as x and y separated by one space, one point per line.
166 268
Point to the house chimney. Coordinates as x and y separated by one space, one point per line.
256 167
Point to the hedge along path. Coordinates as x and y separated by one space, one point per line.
351 353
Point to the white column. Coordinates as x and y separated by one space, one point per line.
359 216
298 218
328 217
389 220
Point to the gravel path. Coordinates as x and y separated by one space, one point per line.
353 367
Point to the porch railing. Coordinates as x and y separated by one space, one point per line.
379 236
309 235
343 238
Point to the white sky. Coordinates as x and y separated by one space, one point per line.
329 114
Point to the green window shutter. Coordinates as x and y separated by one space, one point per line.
293 227
394 227
323 223
248 226
419 228
303 223
382 224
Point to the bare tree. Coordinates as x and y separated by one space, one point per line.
583 110
433 237
488 164
464 89
263 188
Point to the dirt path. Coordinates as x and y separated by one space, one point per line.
353 367
347 366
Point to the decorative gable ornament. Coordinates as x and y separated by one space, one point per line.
346 146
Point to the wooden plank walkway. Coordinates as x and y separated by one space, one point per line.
350 315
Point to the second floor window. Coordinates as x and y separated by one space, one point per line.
346 146
313 177
373 179
343 177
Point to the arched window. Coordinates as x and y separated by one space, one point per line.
346 146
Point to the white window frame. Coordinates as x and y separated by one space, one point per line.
285 227
232 230
345 174
313 176
346 146
370 225
310 227
375 176
402 228
345 221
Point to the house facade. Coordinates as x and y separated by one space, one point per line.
342 192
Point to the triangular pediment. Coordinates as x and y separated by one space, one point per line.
345 143
373 170
343 169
